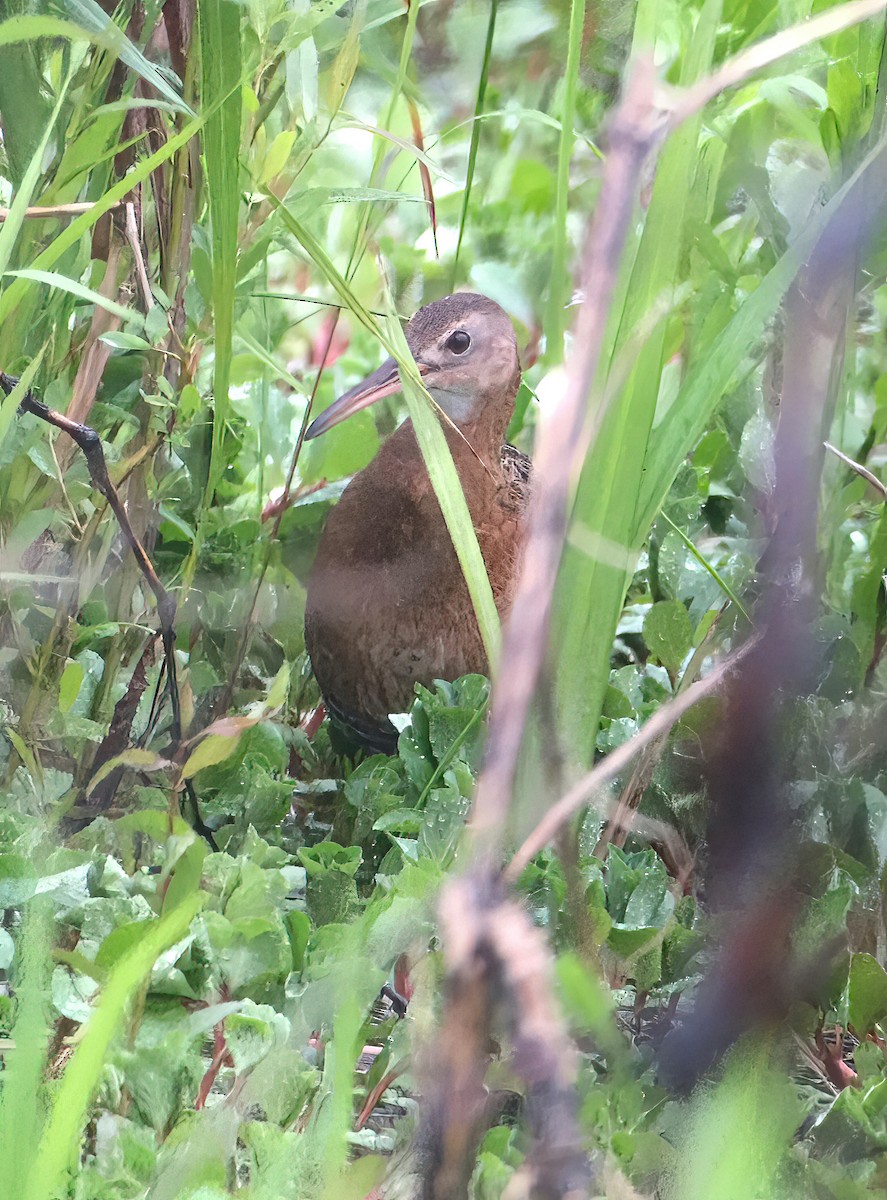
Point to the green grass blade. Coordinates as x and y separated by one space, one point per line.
68 237
52 279
728 359
23 1093
29 28
11 227
56 1153
406 51
220 52
589 591
559 281
24 105
81 225
706 565
91 17
475 128
448 490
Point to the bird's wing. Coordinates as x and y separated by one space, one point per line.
518 471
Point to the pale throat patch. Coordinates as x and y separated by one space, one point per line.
459 406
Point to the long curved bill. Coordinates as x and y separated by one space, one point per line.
384 381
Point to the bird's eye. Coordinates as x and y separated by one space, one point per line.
458 341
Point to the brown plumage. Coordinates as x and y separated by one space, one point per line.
387 604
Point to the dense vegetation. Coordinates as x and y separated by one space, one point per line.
213 211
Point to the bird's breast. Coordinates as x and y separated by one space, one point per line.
387 605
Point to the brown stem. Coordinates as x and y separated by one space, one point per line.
280 508
563 442
90 443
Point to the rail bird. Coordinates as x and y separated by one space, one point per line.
387 605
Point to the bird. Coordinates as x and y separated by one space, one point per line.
387 606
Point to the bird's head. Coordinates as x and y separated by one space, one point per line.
466 353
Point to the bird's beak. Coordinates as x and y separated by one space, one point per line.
383 382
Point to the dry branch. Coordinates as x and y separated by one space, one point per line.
563 442
90 444
50 211
863 472
683 104
752 855
615 763
499 979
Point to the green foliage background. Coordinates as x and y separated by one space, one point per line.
184 1023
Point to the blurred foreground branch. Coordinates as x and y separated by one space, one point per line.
499 981
616 761
752 864
491 973
563 441
497 961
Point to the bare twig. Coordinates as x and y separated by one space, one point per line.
562 445
49 211
616 762
135 245
866 474
684 103
91 445
499 973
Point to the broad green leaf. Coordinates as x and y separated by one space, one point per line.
134 759
627 940
213 749
55 1155
328 856
668 632
185 881
69 684
277 154
867 993
279 689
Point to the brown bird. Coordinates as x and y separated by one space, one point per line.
387 605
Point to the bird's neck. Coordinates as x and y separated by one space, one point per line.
484 436
475 446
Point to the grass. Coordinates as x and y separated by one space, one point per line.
284 168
